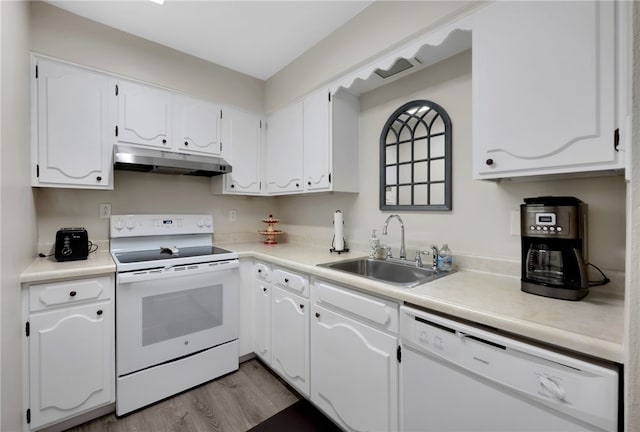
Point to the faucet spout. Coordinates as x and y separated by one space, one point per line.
403 252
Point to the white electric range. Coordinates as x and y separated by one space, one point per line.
176 306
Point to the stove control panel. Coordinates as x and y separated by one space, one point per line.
156 224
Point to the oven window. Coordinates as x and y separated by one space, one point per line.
172 315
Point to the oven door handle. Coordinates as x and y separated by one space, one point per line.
176 271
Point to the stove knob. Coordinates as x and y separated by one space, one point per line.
200 222
208 222
130 225
118 224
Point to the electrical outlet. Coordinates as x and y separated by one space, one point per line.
515 223
233 215
105 211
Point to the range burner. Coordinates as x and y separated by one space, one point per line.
207 253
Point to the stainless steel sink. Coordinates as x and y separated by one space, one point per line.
406 275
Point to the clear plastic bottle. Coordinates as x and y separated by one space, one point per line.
445 259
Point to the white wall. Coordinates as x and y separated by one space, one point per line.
60 34
17 236
479 224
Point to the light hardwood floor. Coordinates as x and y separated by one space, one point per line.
233 403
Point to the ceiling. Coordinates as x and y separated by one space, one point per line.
257 38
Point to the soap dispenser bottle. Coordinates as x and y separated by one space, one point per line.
374 243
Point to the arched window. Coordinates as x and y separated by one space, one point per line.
415 158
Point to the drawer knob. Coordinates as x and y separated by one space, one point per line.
489 162
164 141
259 270
72 294
99 312
301 306
317 315
286 280
264 289
98 179
186 143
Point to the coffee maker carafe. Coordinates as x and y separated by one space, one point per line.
554 247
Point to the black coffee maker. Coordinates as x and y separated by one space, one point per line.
554 247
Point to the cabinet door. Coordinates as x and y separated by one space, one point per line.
354 372
290 338
262 321
71 362
75 127
241 134
284 150
317 144
144 115
196 126
544 96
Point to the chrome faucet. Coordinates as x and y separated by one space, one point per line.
403 252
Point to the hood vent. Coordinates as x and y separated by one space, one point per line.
132 158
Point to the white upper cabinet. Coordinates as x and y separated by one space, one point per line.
312 145
73 125
196 126
544 95
284 152
241 135
144 115
317 147
153 117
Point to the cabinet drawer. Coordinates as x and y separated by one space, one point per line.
261 271
292 281
377 311
43 296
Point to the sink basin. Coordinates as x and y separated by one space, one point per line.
405 275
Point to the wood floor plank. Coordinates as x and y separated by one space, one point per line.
233 403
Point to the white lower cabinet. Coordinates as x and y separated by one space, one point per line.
262 320
71 349
281 323
290 338
354 365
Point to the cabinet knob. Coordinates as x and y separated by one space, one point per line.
259 270
232 186
301 306
99 312
309 183
489 162
164 141
317 315
186 143
297 184
72 294
264 289
98 179
286 280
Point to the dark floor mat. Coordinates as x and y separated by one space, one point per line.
299 417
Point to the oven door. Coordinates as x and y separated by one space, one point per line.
164 314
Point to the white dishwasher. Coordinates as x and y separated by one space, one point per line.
456 377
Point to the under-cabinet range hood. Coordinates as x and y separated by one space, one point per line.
139 159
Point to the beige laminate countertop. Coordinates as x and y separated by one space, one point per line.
48 269
593 326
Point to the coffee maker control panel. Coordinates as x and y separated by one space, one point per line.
546 223
552 221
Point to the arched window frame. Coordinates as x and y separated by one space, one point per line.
407 120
